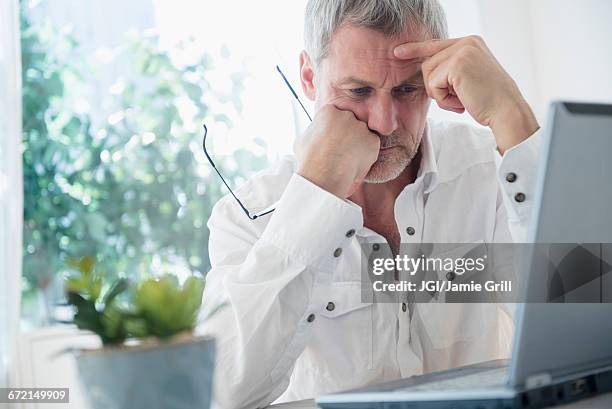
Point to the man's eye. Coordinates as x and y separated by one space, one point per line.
405 89
360 92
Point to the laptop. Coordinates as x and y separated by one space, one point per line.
561 352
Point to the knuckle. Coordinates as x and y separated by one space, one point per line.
426 67
475 40
431 85
471 50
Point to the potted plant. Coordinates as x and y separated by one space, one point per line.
149 357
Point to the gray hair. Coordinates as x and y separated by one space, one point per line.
391 17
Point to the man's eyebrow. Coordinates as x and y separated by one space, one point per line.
354 80
413 79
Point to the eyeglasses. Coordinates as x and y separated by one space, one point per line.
270 209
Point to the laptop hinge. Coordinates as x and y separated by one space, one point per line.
538 380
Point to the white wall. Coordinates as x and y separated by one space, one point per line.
507 30
573 49
555 49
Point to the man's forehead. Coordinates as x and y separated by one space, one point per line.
367 54
350 41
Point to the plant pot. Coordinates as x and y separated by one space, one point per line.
176 374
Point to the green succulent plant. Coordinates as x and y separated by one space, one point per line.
154 307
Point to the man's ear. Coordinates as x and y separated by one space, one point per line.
307 74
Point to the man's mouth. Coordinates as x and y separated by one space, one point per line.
386 148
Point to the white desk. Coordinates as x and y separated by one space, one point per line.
598 402
302 404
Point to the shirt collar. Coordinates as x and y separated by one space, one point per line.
427 174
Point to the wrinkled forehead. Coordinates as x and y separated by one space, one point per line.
364 52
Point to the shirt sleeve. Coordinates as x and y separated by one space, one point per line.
516 172
261 288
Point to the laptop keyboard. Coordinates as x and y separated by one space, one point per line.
481 379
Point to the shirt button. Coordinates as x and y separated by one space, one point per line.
410 230
330 306
375 246
510 177
337 252
519 197
404 307
450 276
310 318
350 233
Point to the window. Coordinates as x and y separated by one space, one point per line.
11 199
113 105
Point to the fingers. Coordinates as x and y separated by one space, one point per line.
440 68
450 108
439 85
422 49
431 63
333 108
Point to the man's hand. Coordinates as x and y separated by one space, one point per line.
462 74
336 151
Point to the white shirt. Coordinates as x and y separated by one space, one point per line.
277 339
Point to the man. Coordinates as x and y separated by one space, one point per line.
369 169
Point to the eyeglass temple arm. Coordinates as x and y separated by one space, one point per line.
255 216
223 180
293 92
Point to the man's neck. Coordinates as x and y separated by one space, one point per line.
378 199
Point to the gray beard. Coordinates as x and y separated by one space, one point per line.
391 167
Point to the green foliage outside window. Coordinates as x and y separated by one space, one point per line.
132 193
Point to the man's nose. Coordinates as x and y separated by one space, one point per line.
382 117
